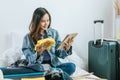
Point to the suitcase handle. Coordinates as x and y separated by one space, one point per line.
102 30
98 21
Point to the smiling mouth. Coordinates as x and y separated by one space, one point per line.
45 26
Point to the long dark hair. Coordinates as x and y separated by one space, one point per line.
34 29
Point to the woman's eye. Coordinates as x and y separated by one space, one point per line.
48 20
45 21
42 21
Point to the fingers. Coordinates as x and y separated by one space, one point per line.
68 44
70 41
41 50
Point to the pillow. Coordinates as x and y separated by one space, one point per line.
13 48
17 39
74 58
10 56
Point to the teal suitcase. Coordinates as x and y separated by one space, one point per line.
103 58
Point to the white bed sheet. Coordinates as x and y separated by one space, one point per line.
82 74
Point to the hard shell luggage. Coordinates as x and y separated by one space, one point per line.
103 57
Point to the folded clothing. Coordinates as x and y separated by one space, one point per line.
54 74
45 42
41 78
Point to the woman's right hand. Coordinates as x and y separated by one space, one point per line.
41 49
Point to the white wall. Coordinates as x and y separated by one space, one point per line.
67 16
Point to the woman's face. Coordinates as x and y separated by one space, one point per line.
44 22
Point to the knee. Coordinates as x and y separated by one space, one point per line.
72 67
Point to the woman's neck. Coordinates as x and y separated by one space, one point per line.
42 32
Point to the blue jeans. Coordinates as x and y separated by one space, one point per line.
69 68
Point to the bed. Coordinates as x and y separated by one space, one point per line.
14 53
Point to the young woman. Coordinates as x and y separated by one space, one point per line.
39 29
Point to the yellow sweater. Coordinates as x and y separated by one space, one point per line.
43 42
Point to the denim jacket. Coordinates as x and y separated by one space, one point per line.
31 54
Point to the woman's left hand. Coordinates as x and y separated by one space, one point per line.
68 44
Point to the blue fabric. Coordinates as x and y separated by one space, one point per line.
24 75
15 75
20 72
46 56
69 68
31 55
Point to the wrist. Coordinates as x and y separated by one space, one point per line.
67 48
